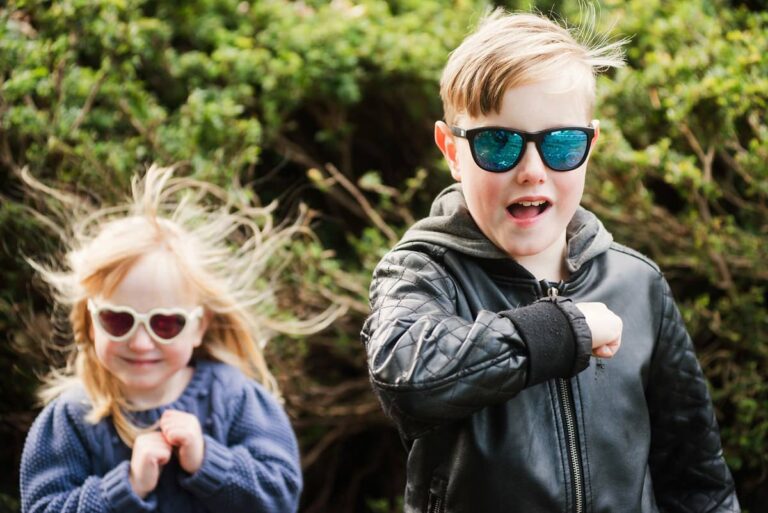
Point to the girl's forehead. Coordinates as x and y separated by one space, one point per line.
155 280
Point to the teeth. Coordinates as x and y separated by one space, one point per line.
531 203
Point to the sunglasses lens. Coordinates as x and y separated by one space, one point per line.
497 150
563 150
114 323
167 326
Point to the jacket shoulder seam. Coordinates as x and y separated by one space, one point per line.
620 248
433 250
430 256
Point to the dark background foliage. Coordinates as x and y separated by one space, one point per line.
332 104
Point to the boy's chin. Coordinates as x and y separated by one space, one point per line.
549 248
521 254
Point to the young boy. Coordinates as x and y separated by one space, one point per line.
493 341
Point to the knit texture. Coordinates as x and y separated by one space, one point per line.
251 460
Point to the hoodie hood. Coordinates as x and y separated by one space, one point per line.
449 224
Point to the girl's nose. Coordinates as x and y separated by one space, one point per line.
531 170
141 340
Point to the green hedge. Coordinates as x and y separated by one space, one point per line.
684 177
332 104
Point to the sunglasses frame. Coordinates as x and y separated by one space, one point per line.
535 137
142 318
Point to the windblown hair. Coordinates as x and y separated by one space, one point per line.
223 245
512 50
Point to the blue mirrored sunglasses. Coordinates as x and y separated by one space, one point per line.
498 149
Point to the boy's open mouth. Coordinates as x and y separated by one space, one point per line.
527 209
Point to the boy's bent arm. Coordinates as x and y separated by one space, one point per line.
429 365
687 466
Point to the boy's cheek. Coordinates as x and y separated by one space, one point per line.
461 164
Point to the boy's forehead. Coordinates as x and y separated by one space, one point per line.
572 80
537 106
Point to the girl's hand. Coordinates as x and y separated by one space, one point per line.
605 326
150 452
182 430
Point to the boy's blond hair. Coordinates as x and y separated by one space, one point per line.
512 50
222 245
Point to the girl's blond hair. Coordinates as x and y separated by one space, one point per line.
223 245
512 50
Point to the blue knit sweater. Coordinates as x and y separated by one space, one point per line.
251 460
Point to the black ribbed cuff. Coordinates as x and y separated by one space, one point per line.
555 333
582 335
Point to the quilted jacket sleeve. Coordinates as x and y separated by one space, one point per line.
687 465
428 365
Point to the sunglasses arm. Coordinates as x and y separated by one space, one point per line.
595 124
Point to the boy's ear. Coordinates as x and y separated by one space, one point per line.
447 144
596 125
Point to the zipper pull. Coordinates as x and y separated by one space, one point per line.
549 290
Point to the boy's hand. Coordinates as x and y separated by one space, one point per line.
182 430
150 452
606 328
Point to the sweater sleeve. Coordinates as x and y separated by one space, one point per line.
256 469
56 473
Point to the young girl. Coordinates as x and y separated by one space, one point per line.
166 403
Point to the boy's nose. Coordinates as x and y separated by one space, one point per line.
531 169
141 340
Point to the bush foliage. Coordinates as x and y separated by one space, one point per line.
332 103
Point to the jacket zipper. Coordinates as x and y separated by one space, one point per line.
435 496
565 396
566 404
437 505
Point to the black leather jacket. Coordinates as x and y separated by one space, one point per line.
501 410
